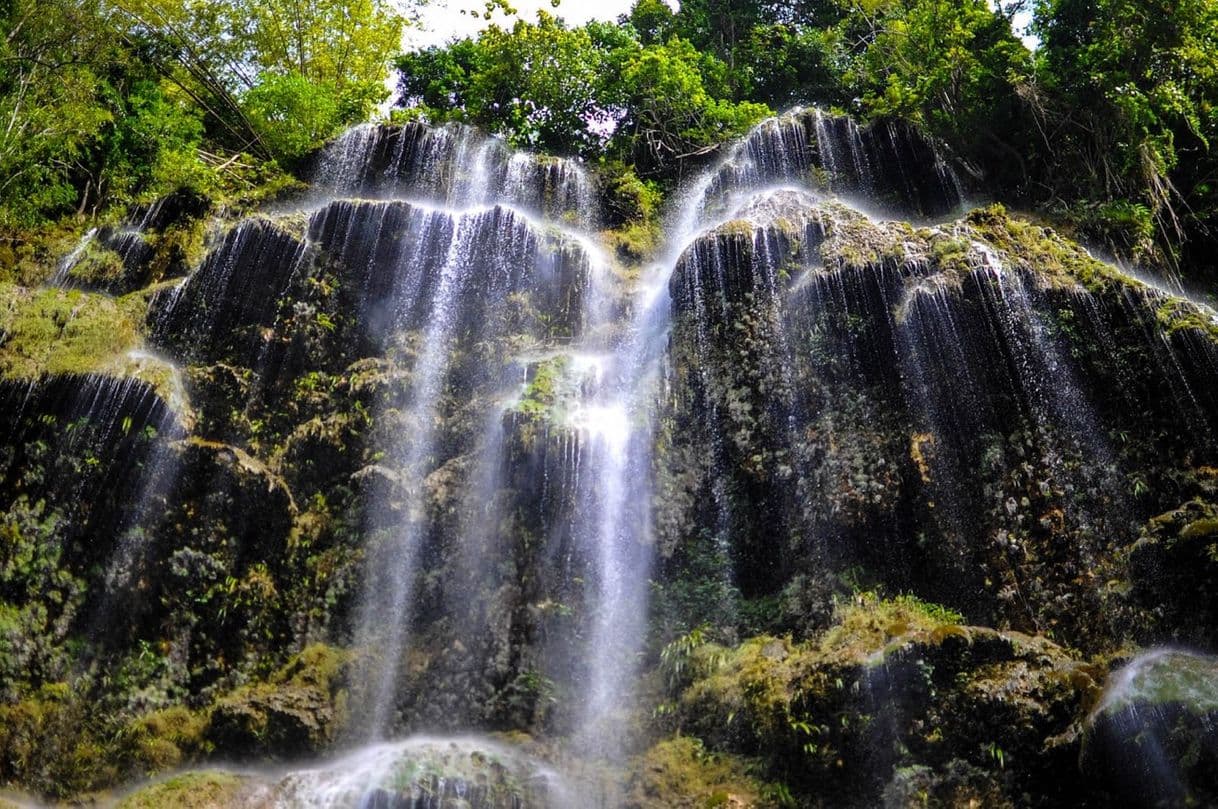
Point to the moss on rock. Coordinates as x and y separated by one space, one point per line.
212 789
894 683
64 331
681 773
299 711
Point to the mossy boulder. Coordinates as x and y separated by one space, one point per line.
895 683
681 773
300 711
167 739
213 789
1153 738
1173 574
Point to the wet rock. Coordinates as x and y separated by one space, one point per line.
898 693
1173 571
222 307
299 712
1152 740
423 773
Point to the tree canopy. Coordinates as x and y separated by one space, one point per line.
597 89
106 101
1109 125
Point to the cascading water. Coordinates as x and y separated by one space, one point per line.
453 272
421 417
611 516
66 264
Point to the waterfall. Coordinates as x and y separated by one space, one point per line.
417 424
447 274
611 512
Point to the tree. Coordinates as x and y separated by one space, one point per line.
278 75
49 102
589 91
670 115
950 66
1130 99
87 120
539 84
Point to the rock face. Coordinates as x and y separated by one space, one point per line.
950 408
857 509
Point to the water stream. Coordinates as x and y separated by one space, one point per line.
546 430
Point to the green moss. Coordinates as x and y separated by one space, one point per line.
766 684
635 241
97 266
167 739
541 394
950 253
317 665
740 228
1201 529
197 790
29 257
59 331
634 207
298 711
866 623
853 240
50 331
1176 314
295 222
178 249
52 746
1042 251
681 773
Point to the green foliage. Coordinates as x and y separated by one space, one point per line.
678 656
945 64
537 84
151 146
111 103
633 206
541 394
53 88
1132 87
321 66
273 75
670 111
789 65
293 114
599 87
